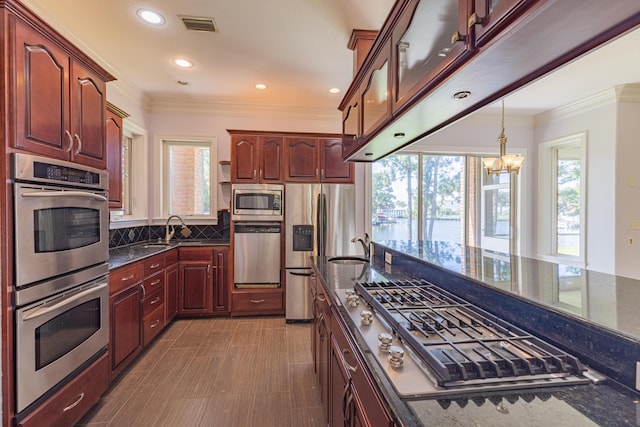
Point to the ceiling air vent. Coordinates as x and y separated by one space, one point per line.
199 23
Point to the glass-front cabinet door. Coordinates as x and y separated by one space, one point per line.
376 107
430 36
491 16
351 125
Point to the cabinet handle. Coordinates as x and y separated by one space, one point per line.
154 266
347 414
74 404
321 298
155 282
260 174
129 277
345 393
155 301
208 271
254 174
344 357
66 132
256 301
457 37
154 324
322 171
79 143
316 171
474 19
144 292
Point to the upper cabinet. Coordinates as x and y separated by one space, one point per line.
256 159
270 157
113 143
60 98
436 61
428 39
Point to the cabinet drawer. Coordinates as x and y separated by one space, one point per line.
171 257
195 254
257 301
123 278
153 265
152 283
152 302
71 402
153 324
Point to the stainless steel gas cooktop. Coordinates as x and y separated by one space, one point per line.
431 342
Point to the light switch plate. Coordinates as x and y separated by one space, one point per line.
388 258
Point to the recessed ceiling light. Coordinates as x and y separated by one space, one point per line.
184 63
150 17
334 90
261 86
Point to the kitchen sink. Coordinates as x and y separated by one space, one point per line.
348 260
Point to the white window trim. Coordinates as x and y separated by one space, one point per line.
139 179
159 208
547 194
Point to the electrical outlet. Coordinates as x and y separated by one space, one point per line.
388 258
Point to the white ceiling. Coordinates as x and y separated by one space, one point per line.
298 48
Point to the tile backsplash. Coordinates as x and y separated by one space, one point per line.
127 236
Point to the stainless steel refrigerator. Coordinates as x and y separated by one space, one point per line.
320 220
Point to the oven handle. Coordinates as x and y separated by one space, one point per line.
48 309
65 194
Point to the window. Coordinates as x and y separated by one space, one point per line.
562 163
442 197
126 174
188 176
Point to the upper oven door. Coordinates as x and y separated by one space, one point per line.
58 231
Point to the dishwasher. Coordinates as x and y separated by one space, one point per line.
256 255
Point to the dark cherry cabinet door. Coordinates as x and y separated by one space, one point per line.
492 16
126 318
113 142
271 159
196 288
41 94
302 159
172 276
221 280
88 106
244 158
332 166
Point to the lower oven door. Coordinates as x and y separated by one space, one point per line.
56 336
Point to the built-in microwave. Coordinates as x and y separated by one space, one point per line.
257 202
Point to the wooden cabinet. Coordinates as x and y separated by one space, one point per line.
264 157
153 295
203 281
113 144
376 93
492 16
257 158
354 401
71 402
321 327
310 159
60 99
254 302
351 126
171 285
125 333
423 49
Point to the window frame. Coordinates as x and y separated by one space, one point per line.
161 180
547 202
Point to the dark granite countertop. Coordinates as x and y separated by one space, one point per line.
607 404
123 255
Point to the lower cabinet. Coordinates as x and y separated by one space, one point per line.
72 401
203 281
171 288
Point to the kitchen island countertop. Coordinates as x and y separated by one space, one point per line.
586 405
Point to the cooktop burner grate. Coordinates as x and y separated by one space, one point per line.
461 342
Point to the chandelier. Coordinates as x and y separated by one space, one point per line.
506 163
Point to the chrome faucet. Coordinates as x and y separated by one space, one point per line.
365 244
170 232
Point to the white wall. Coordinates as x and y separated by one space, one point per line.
596 117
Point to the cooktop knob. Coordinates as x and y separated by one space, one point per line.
396 355
353 300
385 340
366 317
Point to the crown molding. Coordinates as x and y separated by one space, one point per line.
598 100
628 92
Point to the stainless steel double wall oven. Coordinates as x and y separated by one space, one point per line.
61 288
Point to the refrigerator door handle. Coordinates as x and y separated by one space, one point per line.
305 274
323 224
